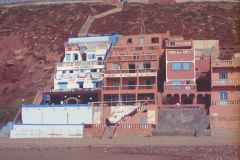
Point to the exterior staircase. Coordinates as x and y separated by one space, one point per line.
110 131
88 23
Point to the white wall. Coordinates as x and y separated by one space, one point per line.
56 115
47 131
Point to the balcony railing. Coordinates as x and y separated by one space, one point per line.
74 45
130 71
143 47
132 57
129 87
225 102
226 82
121 103
180 87
183 43
226 63
82 64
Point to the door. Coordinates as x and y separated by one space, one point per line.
131 67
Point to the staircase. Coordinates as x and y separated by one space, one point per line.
110 131
37 100
88 23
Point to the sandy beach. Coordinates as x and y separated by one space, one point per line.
152 148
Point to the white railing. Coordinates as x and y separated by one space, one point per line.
129 87
225 102
82 64
226 82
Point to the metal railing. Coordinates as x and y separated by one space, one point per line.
179 43
225 63
82 64
143 47
129 87
179 87
130 71
133 57
225 102
121 103
226 82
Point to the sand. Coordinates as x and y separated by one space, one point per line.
132 148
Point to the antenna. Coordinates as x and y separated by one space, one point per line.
142 27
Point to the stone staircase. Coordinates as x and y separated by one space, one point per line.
88 23
110 131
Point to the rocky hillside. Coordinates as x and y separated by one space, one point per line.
203 20
32 37
31 42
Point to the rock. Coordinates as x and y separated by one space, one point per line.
9 63
19 58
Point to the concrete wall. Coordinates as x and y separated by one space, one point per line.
181 122
47 131
57 114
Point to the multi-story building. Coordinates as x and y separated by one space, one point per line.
79 77
225 93
139 83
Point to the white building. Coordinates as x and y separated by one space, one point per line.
83 63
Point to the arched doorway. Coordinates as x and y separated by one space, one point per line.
71 100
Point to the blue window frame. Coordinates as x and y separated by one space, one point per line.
68 57
176 82
91 56
62 85
75 57
223 75
186 66
176 66
223 95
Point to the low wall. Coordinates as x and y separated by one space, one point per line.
177 122
57 114
134 130
185 1
93 130
46 131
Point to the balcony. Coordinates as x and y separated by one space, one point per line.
132 58
226 63
226 102
129 89
179 44
226 82
136 48
80 44
131 73
80 64
180 87
121 103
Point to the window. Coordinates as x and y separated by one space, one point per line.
71 71
135 56
116 66
93 70
176 82
186 66
155 40
223 75
75 57
116 83
147 82
223 95
149 55
80 84
176 66
187 82
91 56
147 65
139 48
68 57
129 40
141 40
140 66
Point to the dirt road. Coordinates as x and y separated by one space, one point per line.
150 148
